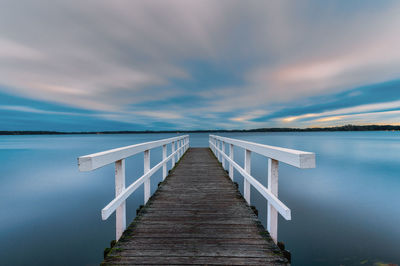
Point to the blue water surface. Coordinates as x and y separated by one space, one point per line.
344 212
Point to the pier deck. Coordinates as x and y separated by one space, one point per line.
197 216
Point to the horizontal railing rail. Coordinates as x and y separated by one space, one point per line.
96 160
275 155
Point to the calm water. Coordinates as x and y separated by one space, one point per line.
346 211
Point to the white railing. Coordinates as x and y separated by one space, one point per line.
96 160
275 155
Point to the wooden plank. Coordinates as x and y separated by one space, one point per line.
193 260
197 216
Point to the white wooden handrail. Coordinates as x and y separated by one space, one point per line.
275 155
97 160
300 159
118 156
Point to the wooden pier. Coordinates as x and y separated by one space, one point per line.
197 216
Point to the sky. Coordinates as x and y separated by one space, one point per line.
169 65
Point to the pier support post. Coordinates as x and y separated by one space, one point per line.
272 215
147 181
247 168
230 164
120 215
164 156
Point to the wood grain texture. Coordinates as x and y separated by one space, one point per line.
197 216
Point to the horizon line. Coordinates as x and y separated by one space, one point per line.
349 127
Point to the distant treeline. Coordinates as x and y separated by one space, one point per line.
339 128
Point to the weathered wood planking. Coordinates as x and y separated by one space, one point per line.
197 216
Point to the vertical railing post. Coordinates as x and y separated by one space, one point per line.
220 147
179 151
216 149
164 156
173 157
247 168
215 143
223 151
230 164
219 153
180 148
147 181
120 215
272 216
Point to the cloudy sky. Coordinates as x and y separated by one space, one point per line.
136 65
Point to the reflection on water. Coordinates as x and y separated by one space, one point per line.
346 211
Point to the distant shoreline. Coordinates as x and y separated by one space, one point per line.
316 129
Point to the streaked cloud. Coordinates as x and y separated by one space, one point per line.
199 64
356 110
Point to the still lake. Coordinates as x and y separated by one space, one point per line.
344 212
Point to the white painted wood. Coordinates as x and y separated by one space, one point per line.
216 150
296 158
173 151
164 156
220 149
113 205
230 164
247 168
178 145
94 161
223 150
279 206
180 151
272 215
147 181
120 215
97 160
